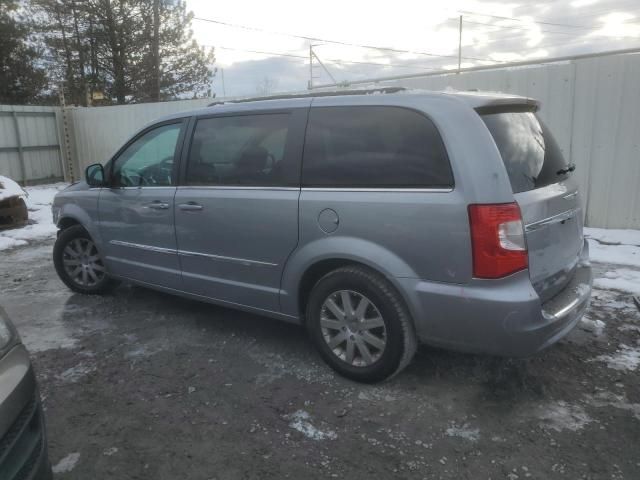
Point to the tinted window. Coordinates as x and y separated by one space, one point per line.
529 151
148 161
242 150
373 147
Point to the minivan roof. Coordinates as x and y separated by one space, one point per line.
475 99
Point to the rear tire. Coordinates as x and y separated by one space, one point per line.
79 264
360 324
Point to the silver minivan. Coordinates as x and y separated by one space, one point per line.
376 221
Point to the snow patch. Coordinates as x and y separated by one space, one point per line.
300 421
76 373
464 431
627 327
614 236
41 221
620 247
625 359
594 326
110 451
48 335
608 299
376 394
622 279
561 416
614 254
67 464
8 242
608 399
9 188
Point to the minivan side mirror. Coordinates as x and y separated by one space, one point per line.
94 175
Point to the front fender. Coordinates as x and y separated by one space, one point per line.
85 212
338 247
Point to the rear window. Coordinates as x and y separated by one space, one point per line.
529 151
370 146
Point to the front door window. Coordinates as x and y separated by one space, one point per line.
149 160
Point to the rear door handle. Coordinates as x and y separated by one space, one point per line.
190 206
158 205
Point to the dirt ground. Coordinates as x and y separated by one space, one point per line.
142 385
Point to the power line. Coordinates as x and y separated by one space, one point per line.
337 42
618 7
505 27
565 25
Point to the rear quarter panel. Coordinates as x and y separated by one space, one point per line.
405 234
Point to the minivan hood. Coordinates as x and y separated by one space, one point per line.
80 185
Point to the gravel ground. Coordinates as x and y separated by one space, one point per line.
141 385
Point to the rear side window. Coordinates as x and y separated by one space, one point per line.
373 147
529 151
239 150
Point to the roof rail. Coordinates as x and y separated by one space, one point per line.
332 93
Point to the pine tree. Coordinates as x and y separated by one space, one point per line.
173 64
130 50
22 79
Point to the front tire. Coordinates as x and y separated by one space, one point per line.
360 324
79 264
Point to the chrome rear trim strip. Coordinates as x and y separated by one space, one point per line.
559 218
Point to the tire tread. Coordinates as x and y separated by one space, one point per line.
66 235
410 341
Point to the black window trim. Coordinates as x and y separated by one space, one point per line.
177 154
344 188
298 118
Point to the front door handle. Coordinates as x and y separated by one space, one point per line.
190 206
157 205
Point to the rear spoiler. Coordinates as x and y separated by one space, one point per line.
510 105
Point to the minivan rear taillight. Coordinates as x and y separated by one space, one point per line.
497 240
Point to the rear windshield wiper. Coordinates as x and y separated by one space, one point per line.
570 168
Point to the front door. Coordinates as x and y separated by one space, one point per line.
237 208
136 213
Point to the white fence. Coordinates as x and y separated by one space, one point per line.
100 131
30 143
593 107
591 104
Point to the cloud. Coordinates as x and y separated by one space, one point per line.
573 27
244 78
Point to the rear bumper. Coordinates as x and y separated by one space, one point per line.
23 444
502 317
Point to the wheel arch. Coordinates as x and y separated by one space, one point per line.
66 222
71 214
309 264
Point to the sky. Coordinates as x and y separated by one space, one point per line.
260 49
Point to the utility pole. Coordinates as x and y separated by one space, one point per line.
460 44
224 91
314 54
310 84
66 136
155 48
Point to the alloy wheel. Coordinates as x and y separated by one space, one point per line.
82 263
353 328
